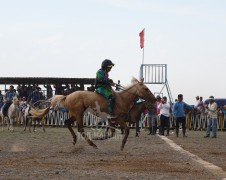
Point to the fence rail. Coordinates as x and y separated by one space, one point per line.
193 121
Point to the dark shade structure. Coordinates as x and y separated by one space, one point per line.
45 80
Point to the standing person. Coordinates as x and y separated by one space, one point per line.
212 117
159 100
153 118
179 114
196 101
103 85
164 108
49 90
8 99
1 99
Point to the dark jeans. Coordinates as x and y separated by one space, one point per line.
164 122
181 120
5 108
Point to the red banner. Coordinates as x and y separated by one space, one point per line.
141 34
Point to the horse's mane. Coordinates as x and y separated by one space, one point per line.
134 81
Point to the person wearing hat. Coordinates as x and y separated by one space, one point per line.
179 114
8 97
212 117
103 85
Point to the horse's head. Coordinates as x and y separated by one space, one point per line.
142 91
15 100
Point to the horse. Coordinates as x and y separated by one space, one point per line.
77 102
132 116
29 117
12 113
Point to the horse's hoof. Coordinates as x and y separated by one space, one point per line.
95 147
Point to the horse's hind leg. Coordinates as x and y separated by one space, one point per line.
82 132
68 124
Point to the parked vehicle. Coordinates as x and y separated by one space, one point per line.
220 102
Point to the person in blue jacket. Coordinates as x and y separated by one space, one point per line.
8 97
179 114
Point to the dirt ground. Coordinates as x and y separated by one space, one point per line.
51 155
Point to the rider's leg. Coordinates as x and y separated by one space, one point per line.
111 103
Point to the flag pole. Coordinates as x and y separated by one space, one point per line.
143 56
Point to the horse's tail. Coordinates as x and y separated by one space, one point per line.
57 100
39 112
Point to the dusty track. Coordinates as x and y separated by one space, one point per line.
51 155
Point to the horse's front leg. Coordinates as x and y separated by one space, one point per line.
29 123
111 126
8 123
82 132
34 124
68 124
126 129
11 123
24 122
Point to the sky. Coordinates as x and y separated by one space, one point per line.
70 38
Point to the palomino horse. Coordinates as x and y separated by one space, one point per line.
12 113
77 102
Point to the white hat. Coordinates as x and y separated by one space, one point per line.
211 97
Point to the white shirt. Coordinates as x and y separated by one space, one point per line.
212 111
197 103
164 109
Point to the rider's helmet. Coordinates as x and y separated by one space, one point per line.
107 63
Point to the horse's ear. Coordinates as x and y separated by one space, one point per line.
134 80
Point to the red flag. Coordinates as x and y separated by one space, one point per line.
141 34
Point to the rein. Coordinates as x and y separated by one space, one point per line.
126 89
